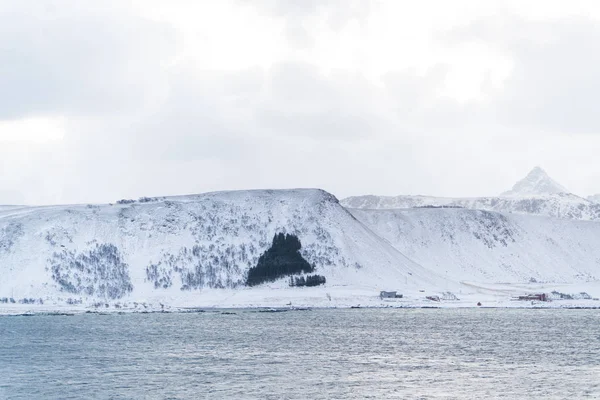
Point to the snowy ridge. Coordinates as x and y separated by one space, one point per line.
169 249
560 205
595 198
536 194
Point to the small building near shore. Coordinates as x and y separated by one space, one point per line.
535 297
389 295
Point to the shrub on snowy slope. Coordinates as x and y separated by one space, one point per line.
99 272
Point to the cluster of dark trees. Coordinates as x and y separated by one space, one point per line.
310 280
125 201
7 300
149 199
30 301
140 200
282 259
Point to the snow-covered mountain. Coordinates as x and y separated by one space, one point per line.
536 194
536 183
484 246
166 248
192 250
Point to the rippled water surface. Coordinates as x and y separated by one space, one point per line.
319 354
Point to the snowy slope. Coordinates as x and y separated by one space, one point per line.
176 247
491 247
536 194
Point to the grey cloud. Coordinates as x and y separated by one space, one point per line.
555 83
223 130
298 35
413 91
303 102
292 7
339 12
296 14
415 101
338 124
31 172
202 117
58 58
220 131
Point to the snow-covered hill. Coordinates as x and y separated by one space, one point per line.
171 248
536 194
536 231
483 246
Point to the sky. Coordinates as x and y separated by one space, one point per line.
121 99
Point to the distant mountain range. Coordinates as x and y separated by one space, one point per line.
536 194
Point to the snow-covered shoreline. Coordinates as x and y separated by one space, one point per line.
469 295
111 311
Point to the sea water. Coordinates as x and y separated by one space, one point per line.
314 354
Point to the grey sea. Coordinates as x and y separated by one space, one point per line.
318 354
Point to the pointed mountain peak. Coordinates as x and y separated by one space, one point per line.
536 183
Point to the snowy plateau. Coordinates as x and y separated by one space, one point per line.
190 252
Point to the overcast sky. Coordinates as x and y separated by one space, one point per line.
120 99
